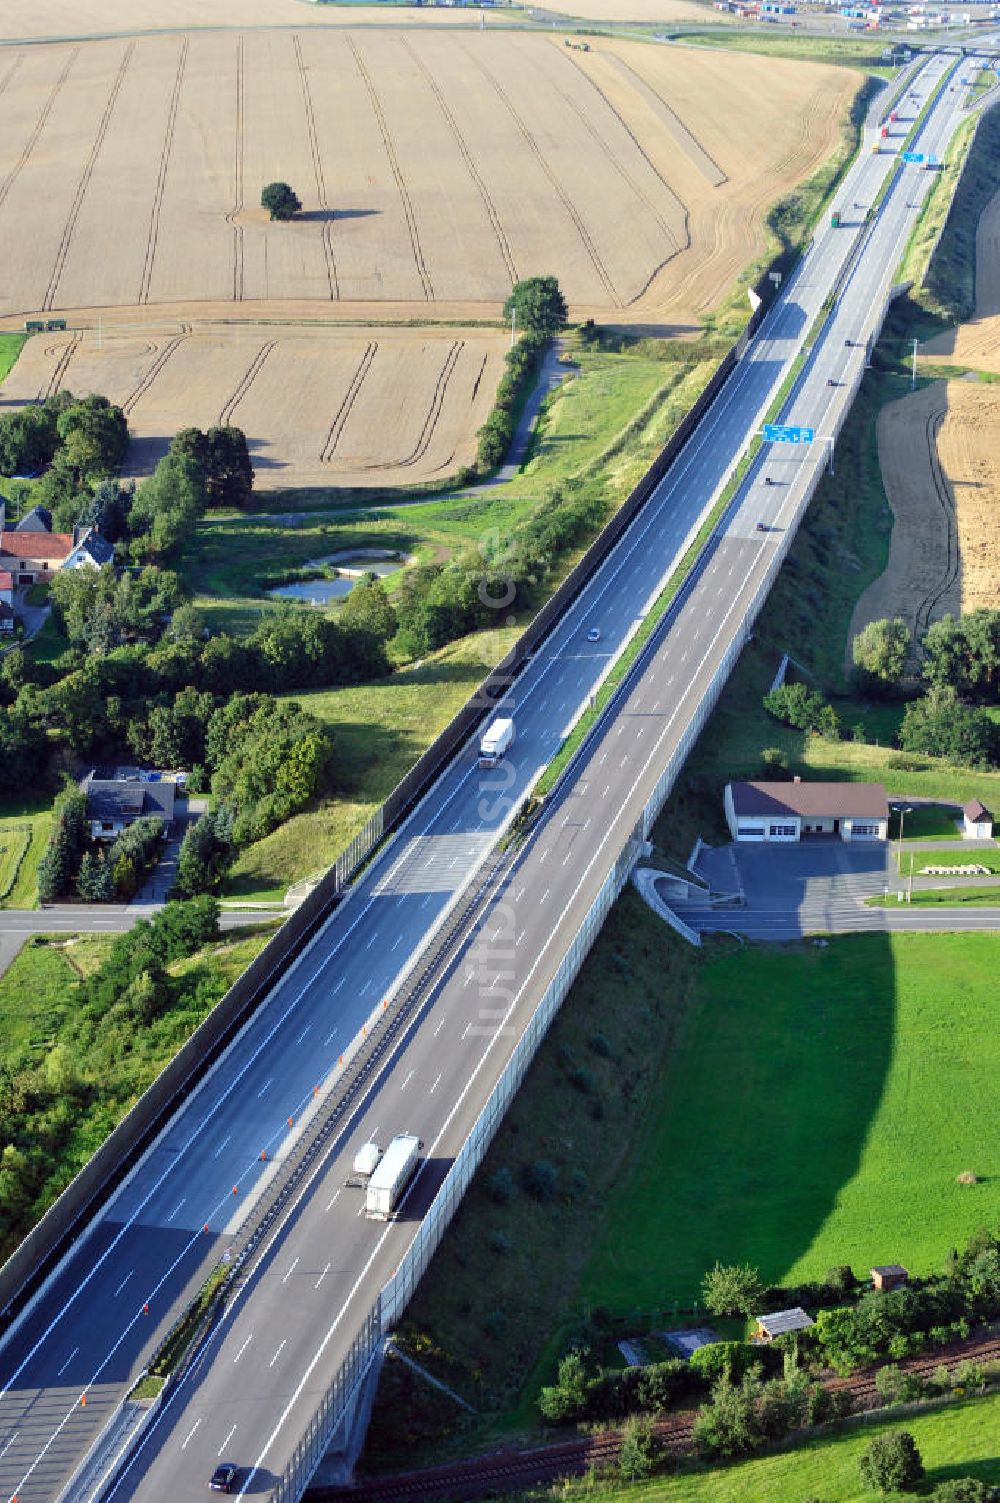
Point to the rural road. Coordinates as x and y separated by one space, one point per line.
301 1305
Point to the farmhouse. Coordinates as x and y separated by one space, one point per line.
977 821
788 811
118 800
781 1323
30 551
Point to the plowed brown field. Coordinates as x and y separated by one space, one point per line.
345 407
435 168
939 449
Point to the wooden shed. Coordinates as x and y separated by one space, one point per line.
782 1323
889 1276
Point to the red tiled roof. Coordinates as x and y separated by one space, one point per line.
819 800
975 810
36 544
6 580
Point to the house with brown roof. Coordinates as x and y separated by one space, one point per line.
793 811
977 821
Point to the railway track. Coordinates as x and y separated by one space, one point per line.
509 1471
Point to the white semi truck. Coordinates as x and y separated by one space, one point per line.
496 740
390 1179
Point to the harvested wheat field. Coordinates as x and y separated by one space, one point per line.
977 343
320 407
435 167
644 11
32 19
939 449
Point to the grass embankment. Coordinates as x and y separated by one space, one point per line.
849 52
795 1108
974 857
948 295
956 1440
380 730
71 1094
949 897
11 346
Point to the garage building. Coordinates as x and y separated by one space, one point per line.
788 812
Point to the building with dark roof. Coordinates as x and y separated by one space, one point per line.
113 803
888 1276
38 519
91 552
787 812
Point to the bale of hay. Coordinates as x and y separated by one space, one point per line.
967 1177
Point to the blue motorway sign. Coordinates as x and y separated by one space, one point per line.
779 433
912 156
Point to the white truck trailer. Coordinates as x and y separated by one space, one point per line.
397 1167
496 740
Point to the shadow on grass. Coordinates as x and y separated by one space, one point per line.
762 1116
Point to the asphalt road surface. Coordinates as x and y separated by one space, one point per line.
285 1334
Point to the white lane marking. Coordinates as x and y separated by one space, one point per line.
330 1037
278 1352
544 896
397 942
750 367
406 1081
190 1433
427 900
226 1441
176 1208
9 1443
326 1270
264 1087
336 1193
124 1281
67 1362
222 1145
439 1027
306 1029
243 1348
434 1086
518 895
372 940
290 1271
466 1029
340 983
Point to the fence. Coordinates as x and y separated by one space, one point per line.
396 1294
35 1258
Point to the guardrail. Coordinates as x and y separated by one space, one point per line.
396 1294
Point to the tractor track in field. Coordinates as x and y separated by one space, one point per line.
85 177
508 1471
946 501
432 416
60 368
397 172
239 277
668 232
563 196
161 180
10 72
492 212
39 126
343 412
250 375
317 161
140 390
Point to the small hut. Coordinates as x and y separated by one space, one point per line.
782 1323
889 1276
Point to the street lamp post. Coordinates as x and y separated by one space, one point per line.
904 810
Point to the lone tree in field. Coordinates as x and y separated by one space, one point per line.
539 305
732 1289
280 201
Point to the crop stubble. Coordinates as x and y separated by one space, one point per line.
434 169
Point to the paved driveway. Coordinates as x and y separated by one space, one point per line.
818 886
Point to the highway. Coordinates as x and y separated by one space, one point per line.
284 1335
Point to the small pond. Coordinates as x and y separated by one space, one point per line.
350 568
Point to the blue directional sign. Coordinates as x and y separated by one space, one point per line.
779 433
912 156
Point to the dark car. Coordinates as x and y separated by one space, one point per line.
223 1478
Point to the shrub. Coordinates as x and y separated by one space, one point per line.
724 1359
892 1463
639 1451
500 1186
732 1289
566 1399
774 764
541 1180
962 1490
